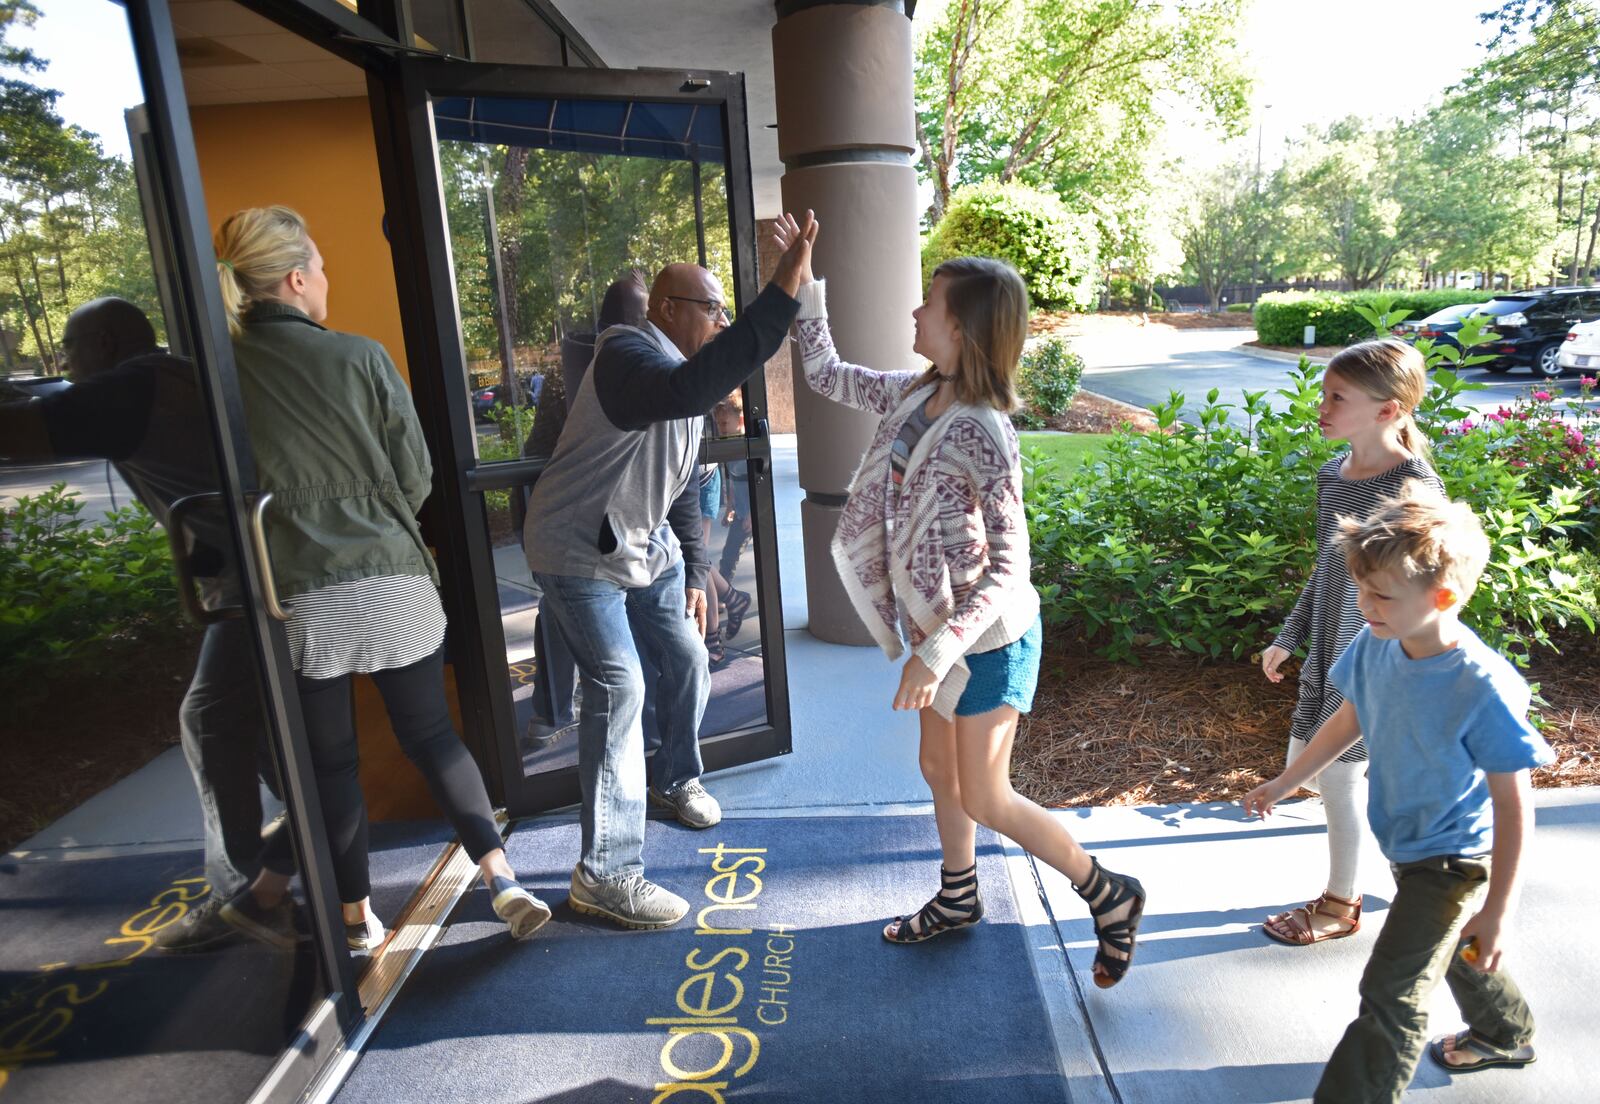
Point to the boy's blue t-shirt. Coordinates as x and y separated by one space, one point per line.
1433 727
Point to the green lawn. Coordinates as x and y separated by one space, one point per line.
1069 450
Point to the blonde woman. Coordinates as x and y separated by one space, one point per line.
1369 392
337 442
933 545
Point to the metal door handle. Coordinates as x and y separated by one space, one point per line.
177 516
258 534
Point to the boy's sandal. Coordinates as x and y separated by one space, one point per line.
1105 893
736 607
1487 1053
1295 928
957 905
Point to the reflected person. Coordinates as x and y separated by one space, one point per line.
338 444
613 534
555 676
140 407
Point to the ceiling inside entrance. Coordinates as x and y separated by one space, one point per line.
733 35
231 55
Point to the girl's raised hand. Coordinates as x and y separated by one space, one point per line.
787 231
1271 660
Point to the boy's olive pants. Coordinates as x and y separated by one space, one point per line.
1434 897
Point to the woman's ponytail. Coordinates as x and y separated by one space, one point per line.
256 248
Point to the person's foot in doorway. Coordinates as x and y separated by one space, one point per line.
690 803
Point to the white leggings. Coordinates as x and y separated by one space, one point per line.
1343 788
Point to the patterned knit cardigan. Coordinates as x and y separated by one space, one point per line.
952 546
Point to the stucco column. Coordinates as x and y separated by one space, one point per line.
846 136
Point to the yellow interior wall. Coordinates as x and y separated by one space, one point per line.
318 157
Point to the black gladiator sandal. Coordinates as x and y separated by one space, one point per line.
957 905
1105 893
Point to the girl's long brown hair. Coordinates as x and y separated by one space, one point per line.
1387 368
989 301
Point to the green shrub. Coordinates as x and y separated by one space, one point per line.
1126 293
1238 308
1282 316
70 583
1051 372
1200 536
1053 249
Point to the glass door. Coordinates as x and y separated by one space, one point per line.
544 201
170 923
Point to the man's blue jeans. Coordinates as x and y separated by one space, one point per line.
606 626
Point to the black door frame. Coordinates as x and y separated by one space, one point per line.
202 321
408 160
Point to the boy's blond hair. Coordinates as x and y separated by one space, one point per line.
1420 536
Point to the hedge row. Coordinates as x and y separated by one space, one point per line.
1282 316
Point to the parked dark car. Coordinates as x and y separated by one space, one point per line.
1439 327
485 399
13 388
1529 326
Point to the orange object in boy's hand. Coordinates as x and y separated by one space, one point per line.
1469 950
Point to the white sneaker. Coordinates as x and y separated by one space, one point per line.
523 913
691 804
365 936
633 901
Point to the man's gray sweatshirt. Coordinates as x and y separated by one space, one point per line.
620 499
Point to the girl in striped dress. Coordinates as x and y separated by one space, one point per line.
1369 393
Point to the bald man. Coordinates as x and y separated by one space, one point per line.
614 536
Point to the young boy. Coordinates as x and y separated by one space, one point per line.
1445 719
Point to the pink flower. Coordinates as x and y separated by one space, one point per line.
1589 381
1541 396
1497 416
1590 464
1519 463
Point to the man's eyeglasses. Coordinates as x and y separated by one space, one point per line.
714 310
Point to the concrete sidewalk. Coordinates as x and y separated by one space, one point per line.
1212 1010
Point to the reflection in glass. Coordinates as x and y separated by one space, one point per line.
560 212
138 790
550 201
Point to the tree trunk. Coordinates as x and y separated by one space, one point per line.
1594 232
49 332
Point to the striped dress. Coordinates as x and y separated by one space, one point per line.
1325 619
363 626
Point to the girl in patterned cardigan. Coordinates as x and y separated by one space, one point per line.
933 544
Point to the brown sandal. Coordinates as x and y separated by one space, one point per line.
1298 921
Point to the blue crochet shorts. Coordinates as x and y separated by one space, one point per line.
1005 676
711 493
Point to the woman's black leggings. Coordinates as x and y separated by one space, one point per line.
414 698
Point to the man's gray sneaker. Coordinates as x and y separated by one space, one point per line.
523 913
199 929
538 735
275 925
690 803
631 901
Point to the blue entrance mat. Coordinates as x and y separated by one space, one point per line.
776 987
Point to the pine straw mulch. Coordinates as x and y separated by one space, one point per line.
1171 730
85 723
1091 413
1072 324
